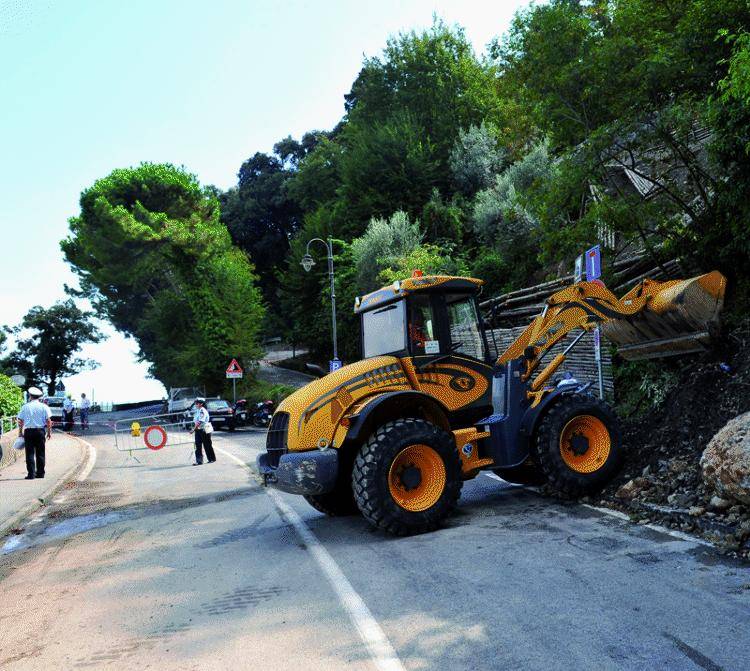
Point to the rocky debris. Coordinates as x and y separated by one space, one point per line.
726 461
717 503
633 488
662 479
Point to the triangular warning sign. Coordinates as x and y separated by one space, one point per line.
234 367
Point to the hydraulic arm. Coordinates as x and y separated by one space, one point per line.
660 318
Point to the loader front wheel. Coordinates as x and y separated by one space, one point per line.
578 445
339 502
407 477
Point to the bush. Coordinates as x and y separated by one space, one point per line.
11 398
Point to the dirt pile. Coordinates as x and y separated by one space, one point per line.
662 481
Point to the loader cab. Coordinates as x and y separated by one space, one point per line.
434 321
438 321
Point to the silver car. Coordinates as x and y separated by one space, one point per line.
56 407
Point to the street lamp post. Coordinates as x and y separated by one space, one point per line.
307 263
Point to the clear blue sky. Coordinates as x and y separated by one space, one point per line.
86 87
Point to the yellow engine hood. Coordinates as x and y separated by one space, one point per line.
316 409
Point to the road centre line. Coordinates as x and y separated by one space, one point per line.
381 651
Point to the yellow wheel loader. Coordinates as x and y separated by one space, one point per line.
395 435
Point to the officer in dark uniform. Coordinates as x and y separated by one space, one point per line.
35 425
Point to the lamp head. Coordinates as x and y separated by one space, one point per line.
307 262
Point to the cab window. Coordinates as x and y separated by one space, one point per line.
466 337
383 330
423 338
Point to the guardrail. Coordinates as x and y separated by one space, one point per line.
8 423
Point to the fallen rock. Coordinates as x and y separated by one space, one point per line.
717 503
677 466
633 488
725 463
696 511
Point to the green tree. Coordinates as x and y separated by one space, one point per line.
154 258
432 75
384 241
49 339
476 158
386 167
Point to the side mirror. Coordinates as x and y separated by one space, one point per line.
315 369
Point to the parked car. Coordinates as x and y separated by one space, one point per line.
55 404
220 412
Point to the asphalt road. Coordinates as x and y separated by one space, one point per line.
169 566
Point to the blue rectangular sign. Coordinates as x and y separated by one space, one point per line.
593 263
334 364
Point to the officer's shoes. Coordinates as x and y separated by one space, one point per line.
29 477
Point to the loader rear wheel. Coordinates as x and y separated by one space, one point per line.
578 445
407 477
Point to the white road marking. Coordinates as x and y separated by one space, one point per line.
381 651
620 516
495 476
654 527
608 511
90 463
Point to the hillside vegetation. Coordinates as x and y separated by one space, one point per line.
504 165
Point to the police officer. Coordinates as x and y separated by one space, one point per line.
34 424
202 438
83 411
68 410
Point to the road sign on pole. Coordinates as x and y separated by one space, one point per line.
593 263
234 371
334 364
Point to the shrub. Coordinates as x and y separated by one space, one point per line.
11 398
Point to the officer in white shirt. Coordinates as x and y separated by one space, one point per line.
202 438
68 411
83 411
35 424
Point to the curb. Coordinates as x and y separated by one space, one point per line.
48 493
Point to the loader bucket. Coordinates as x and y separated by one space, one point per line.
680 317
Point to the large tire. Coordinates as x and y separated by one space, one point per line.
578 445
407 477
339 502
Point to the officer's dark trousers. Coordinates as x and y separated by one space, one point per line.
35 440
203 441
